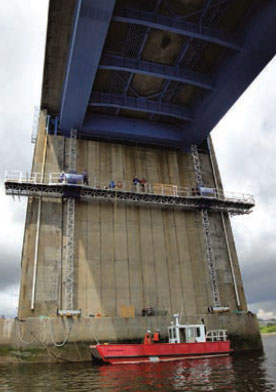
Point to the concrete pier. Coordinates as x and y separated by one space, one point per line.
128 258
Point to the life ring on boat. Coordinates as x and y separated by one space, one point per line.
119 184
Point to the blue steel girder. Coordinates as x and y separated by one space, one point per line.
189 29
163 71
142 104
133 130
205 9
201 11
92 19
236 73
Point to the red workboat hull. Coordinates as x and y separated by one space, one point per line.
157 352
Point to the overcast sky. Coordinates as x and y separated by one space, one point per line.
245 141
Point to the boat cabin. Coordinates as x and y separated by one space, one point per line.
186 333
193 333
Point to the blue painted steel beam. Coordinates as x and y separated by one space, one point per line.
130 129
143 44
189 29
216 4
236 73
163 71
91 24
140 104
204 11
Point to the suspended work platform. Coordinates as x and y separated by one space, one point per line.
57 185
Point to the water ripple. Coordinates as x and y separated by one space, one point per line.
238 373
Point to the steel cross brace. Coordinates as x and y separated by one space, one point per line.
189 29
141 105
168 72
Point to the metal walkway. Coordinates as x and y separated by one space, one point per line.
160 195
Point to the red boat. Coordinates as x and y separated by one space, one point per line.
185 341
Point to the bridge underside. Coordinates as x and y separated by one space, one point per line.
152 71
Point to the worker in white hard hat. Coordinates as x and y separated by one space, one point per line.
147 337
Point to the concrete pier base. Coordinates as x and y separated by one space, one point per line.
61 339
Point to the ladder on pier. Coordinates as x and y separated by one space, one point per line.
70 230
205 225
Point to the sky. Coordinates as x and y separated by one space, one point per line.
244 140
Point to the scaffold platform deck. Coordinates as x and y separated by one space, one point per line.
160 195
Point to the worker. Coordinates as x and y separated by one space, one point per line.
156 336
85 177
61 177
147 337
111 184
143 182
135 183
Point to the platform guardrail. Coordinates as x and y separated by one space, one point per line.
127 186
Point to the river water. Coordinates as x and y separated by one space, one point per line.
239 372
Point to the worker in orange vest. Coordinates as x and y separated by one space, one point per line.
147 337
156 336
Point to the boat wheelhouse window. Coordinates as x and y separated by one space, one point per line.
182 334
198 334
172 333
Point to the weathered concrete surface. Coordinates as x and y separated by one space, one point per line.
126 257
36 339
